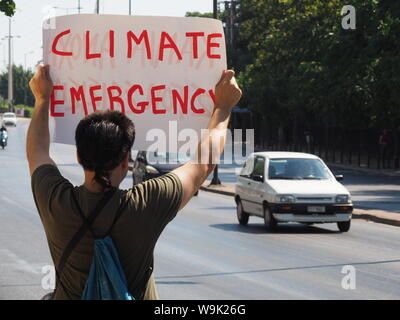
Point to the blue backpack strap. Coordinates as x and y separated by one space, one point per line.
86 225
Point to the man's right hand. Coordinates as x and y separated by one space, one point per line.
41 84
227 92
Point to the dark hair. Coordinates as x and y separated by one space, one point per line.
102 140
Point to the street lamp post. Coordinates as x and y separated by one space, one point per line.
10 78
10 96
67 9
130 7
25 54
24 77
4 61
215 179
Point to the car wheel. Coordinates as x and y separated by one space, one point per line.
243 217
344 226
269 221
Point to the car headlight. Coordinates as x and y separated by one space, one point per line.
151 170
343 198
285 198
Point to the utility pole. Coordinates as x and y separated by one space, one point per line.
215 179
97 6
130 7
4 61
230 11
79 6
24 77
10 75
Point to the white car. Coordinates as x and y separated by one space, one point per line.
291 187
9 118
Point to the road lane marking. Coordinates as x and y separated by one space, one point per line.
17 263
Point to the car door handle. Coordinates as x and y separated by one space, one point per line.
249 183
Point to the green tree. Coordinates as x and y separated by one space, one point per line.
22 93
199 14
8 7
299 66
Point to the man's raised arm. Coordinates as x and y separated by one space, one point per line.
193 174
38 136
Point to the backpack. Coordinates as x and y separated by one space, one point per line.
106 280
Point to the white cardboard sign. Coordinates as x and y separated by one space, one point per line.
160 71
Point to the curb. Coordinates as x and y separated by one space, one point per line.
357 213
211 189
374 218
392 173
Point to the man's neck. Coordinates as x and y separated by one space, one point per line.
93 186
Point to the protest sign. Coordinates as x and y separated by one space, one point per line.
160 71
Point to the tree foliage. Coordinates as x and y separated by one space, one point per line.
297 63
8 7
21 91
199 14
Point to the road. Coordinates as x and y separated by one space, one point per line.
204 253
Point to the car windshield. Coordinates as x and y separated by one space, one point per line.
167 158
292 169
9 115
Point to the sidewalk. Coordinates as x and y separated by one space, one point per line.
386 172
378 216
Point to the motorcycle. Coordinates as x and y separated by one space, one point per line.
3 139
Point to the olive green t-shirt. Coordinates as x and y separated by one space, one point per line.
148 209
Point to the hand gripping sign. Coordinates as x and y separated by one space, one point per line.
160 71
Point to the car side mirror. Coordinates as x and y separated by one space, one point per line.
258 177
339 177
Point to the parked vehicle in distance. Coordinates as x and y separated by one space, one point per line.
9 118
148 165
291 187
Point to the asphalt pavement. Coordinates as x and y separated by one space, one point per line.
204 253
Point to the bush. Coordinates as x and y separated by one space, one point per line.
28 110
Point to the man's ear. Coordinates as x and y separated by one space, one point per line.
125 162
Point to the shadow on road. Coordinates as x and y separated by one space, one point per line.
277 269
174 282
232 208
282 228
68 165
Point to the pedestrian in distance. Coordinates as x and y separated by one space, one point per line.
133 218
383 145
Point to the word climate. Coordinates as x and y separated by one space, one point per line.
165 42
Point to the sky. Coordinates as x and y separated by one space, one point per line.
27 22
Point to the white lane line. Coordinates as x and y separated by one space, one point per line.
17 263
19 205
